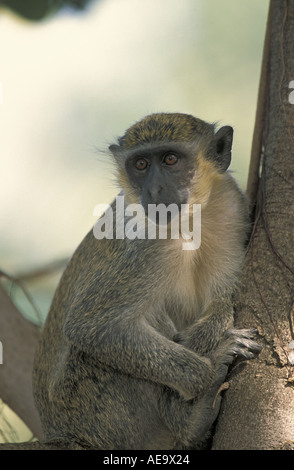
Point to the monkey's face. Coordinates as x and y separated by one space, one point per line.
161 174
157 157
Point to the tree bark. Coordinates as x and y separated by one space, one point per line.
19 338
258 408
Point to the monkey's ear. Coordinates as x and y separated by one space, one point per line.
222 143
114 148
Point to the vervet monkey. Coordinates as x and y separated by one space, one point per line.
140 332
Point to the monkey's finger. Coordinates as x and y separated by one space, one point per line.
248 344
243 332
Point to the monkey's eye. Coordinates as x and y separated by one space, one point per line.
170 159
141 164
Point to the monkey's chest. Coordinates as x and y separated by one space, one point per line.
183 303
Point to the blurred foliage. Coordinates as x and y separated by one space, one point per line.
36 10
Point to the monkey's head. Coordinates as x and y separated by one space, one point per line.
158 158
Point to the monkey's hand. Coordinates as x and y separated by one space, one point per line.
243 343
235 343
213 328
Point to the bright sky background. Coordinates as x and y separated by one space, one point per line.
72 84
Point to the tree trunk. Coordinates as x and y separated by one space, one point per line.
258 408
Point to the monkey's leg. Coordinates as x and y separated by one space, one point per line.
190 421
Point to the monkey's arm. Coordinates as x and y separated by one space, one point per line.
133 347
215 324
205 334
124 340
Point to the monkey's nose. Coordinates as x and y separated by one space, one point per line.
154 192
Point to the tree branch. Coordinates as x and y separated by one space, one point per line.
19 338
